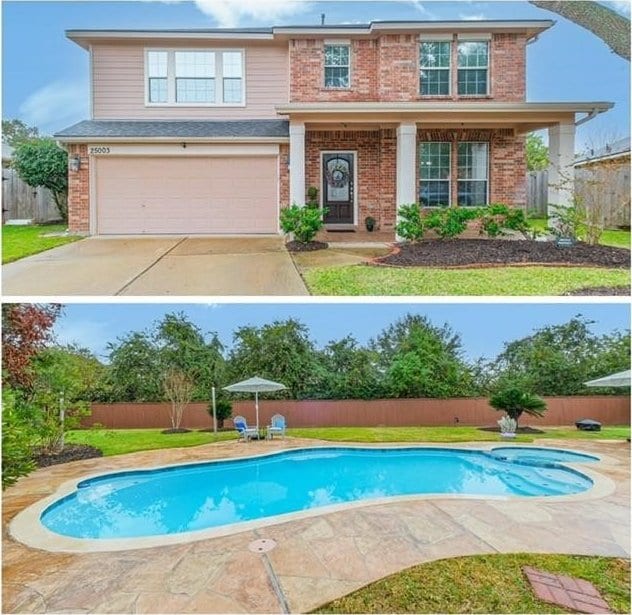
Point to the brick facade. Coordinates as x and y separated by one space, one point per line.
387 69
79 191
284 175
375 163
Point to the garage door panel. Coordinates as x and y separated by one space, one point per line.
186 195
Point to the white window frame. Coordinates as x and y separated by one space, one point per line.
334 43
449 68
449 179
171 77
487 68
487 167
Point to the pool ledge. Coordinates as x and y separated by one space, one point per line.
27 528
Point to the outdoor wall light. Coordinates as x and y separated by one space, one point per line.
74 163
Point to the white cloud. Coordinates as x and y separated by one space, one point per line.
423 9
56 105
476 17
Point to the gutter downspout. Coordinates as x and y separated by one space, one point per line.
594 113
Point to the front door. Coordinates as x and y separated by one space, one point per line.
338 187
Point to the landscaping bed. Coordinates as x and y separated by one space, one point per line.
71 452
526 429
489 252
306 246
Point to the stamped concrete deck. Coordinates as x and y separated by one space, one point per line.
316 559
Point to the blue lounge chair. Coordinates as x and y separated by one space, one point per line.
245 432
276 426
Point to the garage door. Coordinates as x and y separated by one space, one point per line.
186 195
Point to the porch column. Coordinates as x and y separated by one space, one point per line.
561 170
406 163
297 163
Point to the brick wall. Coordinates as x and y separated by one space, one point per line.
79 191
387 69
507 161
284 174
375 162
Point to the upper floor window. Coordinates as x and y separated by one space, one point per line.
337 66
472 174
188 77
473 68
434 173
434 68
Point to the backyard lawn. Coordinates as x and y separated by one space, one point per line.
119 441
616 238
484 584
21 241
366 280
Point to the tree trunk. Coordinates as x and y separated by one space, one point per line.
611 27
61 200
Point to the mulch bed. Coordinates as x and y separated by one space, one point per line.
518 430
180 430
492 252
71 452
601 290
310 246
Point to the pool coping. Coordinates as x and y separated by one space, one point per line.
27 528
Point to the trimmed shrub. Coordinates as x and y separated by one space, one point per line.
411 225
303 222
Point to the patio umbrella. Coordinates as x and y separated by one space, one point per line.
620 379
255 385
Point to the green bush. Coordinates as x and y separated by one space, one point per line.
450 222
514 400
223 410
496 218
411 223
312 197
17 441
303 222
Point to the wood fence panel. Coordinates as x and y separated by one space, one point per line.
537 192
608 409
23 202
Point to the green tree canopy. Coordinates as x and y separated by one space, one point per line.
16 131
537 153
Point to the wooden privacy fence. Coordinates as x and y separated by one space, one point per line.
608 409
537 193
23 202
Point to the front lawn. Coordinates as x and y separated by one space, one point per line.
21 241
368 280
120 441
484 584
611 237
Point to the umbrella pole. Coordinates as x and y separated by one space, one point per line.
257 408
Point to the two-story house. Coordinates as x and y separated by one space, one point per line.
213 131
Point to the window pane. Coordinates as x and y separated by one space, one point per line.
472 54
156 63
472 160
472 82
336 55
434 160
232 90
336 77
231 64
434 193
195 90
157 90
195 64
435 82
434 55
472 193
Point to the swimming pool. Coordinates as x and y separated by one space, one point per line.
194 497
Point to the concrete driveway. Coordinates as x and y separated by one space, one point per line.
157 266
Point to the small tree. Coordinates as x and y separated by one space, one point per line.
178 389
223 410
537 153
41 163
17 449
514 401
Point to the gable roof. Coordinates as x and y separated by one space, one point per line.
180 129
616 149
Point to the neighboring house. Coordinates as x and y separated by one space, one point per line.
602 180
212 131
21 203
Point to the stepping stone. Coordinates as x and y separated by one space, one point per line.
569 592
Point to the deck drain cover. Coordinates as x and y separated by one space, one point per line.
262 545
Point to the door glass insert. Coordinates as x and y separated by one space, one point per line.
338 177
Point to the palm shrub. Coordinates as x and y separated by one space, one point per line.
514 400
223 410
302 222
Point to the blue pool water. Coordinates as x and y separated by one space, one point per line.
540 455
195 497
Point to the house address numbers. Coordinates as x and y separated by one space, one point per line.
99 150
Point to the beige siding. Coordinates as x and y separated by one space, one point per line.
119 89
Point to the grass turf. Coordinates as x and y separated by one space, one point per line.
120 441
21 241
484 584
611 237
517 281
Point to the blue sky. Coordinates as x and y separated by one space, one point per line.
45 76
483 327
